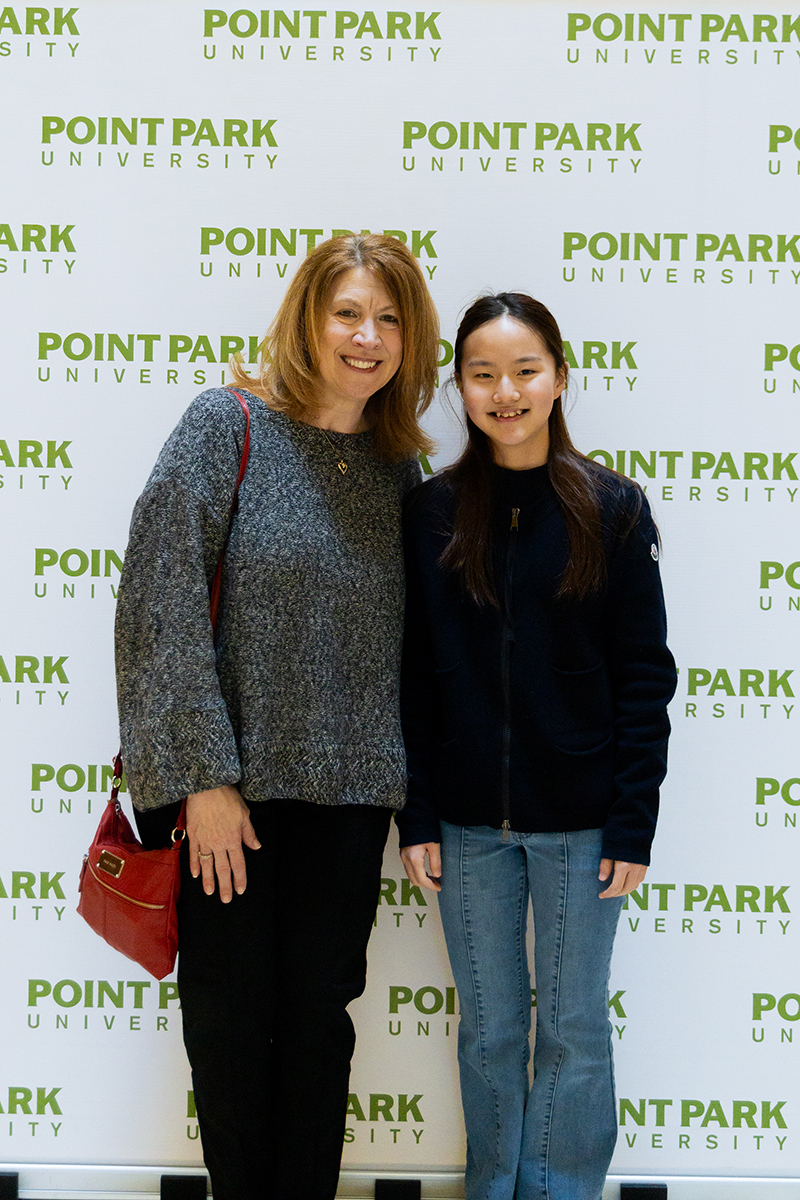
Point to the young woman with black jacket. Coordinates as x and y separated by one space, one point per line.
536 679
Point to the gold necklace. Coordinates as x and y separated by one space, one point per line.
341 464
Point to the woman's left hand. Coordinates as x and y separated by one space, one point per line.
627 877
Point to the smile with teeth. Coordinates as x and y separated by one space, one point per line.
361 364
513 412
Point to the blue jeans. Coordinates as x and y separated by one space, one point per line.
553 1140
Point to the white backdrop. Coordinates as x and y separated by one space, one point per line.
167 166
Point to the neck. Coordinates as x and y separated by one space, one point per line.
344 416
522 460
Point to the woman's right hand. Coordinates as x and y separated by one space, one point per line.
217 823
413 858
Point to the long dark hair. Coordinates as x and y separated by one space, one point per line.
576 479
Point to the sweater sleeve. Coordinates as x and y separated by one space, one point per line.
643 680
418 821
175 731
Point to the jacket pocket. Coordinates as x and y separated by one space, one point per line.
579 718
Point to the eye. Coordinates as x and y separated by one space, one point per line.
346 313
390 319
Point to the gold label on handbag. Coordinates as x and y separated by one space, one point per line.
111 864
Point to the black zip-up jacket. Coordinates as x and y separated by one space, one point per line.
547 714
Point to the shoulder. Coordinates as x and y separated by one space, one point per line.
431 497
216 411
205 446
428 515
213 427
409 473
623 504
630 534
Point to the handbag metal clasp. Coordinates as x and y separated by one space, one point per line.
111 864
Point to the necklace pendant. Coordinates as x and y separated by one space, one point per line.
342 465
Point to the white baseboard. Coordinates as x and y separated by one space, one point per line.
38 1181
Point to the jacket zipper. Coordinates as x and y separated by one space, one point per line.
505 675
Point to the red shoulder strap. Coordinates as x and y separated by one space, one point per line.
246 446
213 602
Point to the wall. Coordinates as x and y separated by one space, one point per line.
638 172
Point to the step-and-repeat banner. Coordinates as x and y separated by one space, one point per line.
167 167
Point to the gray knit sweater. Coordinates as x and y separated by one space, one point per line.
300 698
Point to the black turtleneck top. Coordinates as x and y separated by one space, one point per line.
543 714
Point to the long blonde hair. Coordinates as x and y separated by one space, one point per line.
287 379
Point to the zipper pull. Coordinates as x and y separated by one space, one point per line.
514 515
506 826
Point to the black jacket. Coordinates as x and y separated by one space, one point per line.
549 714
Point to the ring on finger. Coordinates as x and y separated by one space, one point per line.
205 855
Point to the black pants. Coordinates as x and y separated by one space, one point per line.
264 984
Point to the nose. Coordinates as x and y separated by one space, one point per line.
368 333
506 389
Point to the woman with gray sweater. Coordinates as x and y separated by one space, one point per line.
283 730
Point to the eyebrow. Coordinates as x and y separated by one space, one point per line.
482 362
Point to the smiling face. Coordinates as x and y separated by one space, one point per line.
509 382
361 345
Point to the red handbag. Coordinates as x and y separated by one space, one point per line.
128 894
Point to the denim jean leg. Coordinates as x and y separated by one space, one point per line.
570 1121
484 904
